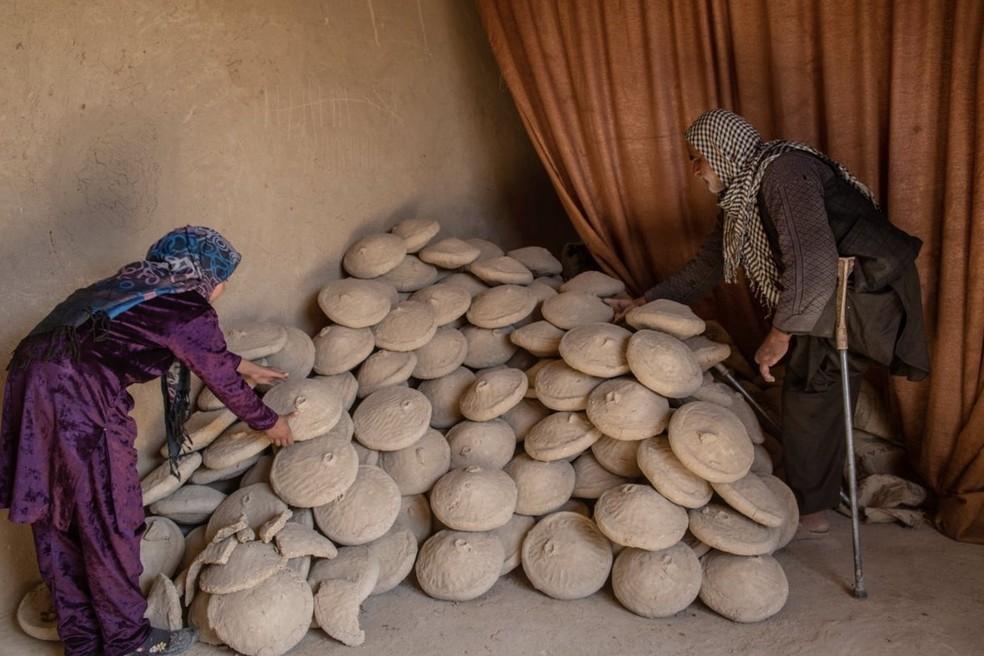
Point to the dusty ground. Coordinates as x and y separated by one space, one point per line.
927 597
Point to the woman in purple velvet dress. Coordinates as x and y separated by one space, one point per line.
67 456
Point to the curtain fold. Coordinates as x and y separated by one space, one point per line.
893 90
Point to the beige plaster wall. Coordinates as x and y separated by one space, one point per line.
293 126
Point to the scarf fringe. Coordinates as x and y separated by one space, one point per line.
738 155
63 342
66 342
176 387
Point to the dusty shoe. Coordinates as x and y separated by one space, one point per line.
161 642
813 526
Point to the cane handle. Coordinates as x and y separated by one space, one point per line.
844 267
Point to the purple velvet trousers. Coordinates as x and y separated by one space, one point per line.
74 466
93 573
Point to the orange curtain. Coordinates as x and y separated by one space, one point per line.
892 89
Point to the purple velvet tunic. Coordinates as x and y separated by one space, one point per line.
68 465
66 425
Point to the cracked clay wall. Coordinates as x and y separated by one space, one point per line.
293 126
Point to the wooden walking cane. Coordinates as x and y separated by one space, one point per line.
844 267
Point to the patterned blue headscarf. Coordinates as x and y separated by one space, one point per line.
192 258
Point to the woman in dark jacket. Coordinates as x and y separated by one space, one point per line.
67 456
787 213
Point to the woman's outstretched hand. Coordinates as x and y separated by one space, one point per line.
259 375
280 433
622 305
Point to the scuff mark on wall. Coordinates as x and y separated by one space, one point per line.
372 19
423 28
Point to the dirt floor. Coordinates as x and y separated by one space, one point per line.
926 597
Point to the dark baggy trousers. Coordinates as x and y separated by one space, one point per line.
813 440
93 574
814 450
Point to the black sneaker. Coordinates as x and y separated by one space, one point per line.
161 642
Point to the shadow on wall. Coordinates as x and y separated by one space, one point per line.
531 209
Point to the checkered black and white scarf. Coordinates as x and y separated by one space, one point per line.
736 152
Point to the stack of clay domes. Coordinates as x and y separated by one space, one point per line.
252 547
465 412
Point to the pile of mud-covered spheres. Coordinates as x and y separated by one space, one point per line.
466 412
